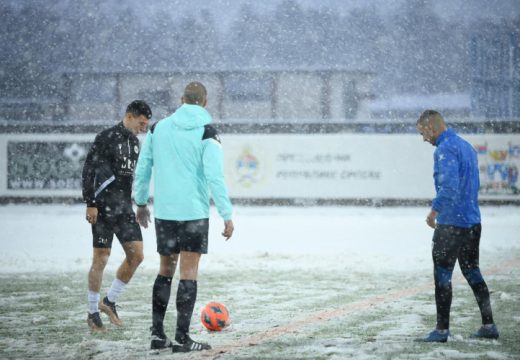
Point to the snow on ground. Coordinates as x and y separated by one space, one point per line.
48 238
316 282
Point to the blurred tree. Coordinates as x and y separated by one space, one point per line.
364 30
411 49
422 51
288 35
29 51
196 43
247 44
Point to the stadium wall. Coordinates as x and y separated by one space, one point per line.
277 167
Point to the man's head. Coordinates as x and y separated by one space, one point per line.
137 116
195 93
431 125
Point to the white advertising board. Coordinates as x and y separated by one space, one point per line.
36 165
350 166
328 166
285 166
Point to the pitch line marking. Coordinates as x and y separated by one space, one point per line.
325 315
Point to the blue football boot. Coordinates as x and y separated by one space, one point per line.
486 332
435 336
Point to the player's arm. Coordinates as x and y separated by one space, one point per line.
446 172
89 173
142 176
214 172
430 218
92 161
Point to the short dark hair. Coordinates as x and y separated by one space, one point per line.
195 93
138 108
427 115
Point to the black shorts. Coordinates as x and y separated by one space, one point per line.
123 225
176 236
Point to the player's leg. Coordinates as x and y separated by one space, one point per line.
129 234
194 243
167 247
469 265
444 253
446 243
134 257
160 299
102 243
186 293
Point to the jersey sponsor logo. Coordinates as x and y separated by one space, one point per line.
128 163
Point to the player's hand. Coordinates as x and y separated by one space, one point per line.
142 216
91 215
228 229
430 219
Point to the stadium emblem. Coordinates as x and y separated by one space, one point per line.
247 168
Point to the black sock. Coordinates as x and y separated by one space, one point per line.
443 295
160 298
481 293
186 296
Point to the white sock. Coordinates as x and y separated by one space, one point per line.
115 290
93 302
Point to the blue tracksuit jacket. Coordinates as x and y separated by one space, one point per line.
186 157
457 183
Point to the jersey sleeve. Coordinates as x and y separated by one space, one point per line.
446 173
214 172
94 160
143 171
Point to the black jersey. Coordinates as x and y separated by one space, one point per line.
109 169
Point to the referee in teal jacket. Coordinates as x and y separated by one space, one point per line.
185 155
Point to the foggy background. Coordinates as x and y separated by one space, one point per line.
412 47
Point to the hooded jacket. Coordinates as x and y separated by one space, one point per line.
108 170
457 182
185 154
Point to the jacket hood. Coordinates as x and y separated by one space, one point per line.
190 116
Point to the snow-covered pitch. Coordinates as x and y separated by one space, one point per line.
309 282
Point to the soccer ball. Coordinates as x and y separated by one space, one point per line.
214 316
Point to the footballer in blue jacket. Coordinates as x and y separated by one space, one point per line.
455 218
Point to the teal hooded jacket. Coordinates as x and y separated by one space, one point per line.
185 155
